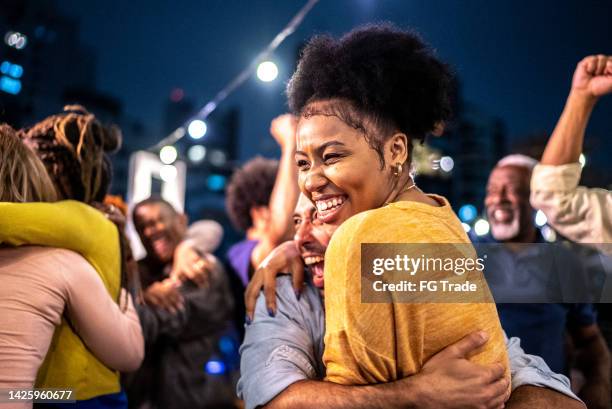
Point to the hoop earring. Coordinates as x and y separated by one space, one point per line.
398 170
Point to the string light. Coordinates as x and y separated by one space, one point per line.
242 76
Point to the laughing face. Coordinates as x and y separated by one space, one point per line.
338 170
160 229
312 238
507 202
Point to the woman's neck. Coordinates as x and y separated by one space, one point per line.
417 195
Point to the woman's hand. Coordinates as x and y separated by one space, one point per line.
285 258
112 213
283 129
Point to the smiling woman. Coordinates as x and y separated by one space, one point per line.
362 101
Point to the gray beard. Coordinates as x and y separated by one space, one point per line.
504 232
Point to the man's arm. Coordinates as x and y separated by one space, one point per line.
280 367
593 359
534 385
448 380
533 397
592 79
578 213
204 309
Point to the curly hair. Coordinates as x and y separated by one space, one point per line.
377 79
250 186
72 146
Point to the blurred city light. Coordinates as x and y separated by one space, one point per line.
549 234
582 160
15 39
10 85
217 157
215 367
267 71
481 227
540 218
216 182
466 227
467 212
167 173
13 70
177 94
227 345
168 154
196 153
197 128
447 163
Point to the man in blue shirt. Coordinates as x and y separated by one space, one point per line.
543 278
281 357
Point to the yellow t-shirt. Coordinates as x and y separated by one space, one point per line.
78 227
368 343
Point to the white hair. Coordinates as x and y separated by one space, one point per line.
519 160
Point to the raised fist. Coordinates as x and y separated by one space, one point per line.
283 128
593 76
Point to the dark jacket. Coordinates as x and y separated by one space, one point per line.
178 347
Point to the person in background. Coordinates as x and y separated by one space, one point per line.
260 198
580 214
52 300
73 147
541 326
184 320
282 363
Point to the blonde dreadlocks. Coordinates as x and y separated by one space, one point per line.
72 146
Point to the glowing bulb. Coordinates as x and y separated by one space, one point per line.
481 227
168 154
466 227
267 71
582 160
540 218
197 128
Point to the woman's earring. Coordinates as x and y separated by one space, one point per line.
398 170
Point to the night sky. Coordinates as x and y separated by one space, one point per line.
514 58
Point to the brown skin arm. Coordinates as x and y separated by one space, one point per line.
593 359
592 80
447 381
533 397
285 191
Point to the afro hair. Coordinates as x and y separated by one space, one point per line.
250 186
380 75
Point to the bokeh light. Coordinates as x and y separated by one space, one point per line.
267 71
168 154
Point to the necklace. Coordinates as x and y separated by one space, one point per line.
405 189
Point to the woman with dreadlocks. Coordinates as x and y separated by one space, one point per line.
72 147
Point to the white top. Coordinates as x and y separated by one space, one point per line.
580 214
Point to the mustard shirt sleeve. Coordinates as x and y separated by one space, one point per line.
66 224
